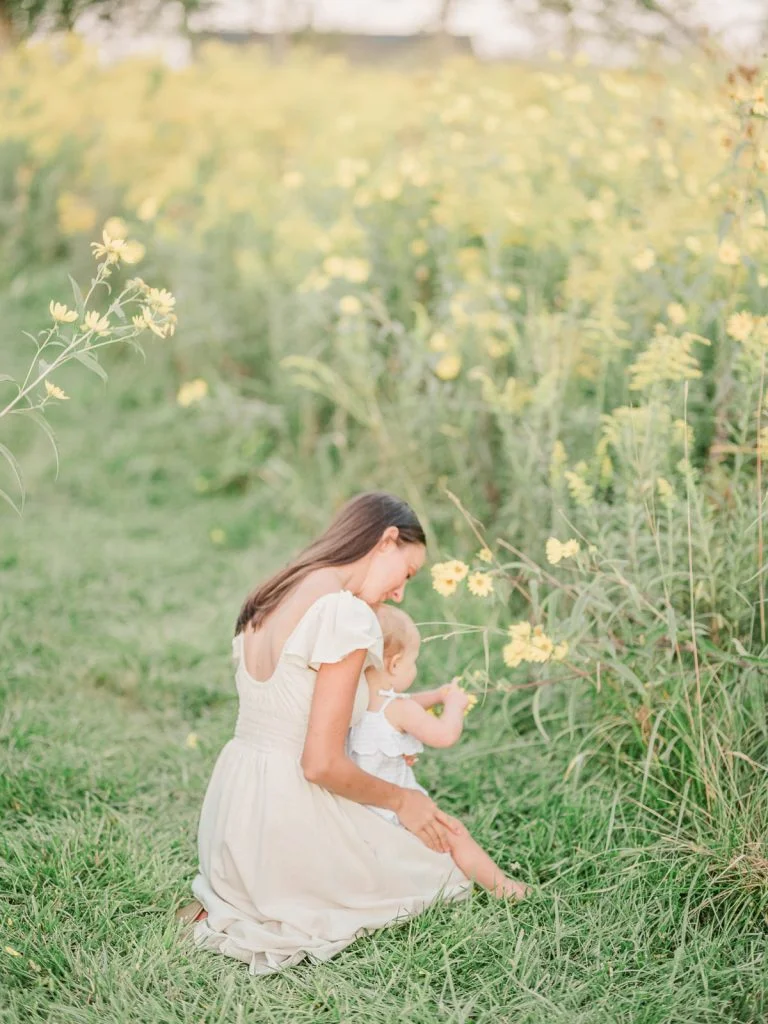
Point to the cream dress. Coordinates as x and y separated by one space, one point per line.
288 869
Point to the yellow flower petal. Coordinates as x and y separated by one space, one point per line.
480 584
54 392
192 391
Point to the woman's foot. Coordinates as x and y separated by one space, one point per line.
191 913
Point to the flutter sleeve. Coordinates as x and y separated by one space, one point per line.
334 626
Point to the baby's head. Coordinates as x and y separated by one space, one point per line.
401 648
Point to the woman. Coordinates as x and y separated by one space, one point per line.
292 864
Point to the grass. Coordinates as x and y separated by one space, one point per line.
115 618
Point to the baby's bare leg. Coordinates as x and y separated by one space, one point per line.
476 864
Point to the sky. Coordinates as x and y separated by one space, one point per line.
495 28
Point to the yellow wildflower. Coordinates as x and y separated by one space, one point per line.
192 391
677 313
191 741
217 535
334 266
729 253
581 492
667 358
53 392
480 584
74 214
116 227
449 367
445 587
350 305
418 247
94 322
666 491
133 252
455 567
438 342
560 651
160 300
644 260
512 653
147 208
540 648
485 555
740 325
61 314
111 249
357 270
446 576
557 551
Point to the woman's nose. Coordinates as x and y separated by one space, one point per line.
397 595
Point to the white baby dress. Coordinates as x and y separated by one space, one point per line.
288 869
376 746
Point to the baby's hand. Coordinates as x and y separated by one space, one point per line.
451 687
410 759
457 698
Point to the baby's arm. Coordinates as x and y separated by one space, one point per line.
428 698
412 718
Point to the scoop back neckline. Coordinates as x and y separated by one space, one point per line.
266 682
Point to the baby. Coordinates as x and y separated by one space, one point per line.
395 728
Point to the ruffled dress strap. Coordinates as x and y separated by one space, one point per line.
334 626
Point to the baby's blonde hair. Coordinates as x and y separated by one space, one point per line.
395 625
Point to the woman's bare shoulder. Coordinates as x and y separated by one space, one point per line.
313 587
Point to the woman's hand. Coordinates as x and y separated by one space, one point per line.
421 815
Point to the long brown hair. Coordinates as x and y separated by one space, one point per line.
355 530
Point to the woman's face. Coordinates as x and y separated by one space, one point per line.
391 566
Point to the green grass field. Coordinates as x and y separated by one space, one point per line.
539 290
114 635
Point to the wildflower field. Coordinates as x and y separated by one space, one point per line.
533 301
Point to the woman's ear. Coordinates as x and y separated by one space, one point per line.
390 536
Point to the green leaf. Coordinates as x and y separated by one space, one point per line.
32 338
41 421
117 309
89 360
11 502
725 222
10 458
79 300
535 711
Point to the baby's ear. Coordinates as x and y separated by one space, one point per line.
393 661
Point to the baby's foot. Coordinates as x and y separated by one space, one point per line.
508 888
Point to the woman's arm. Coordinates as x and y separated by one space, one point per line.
324 760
